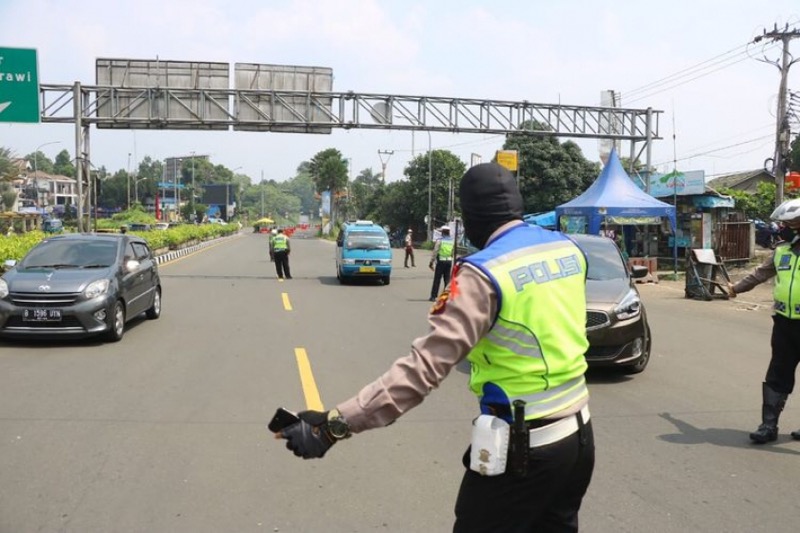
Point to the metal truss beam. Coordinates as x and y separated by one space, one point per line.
318 112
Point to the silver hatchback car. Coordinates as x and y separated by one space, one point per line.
79 285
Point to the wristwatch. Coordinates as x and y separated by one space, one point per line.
337 425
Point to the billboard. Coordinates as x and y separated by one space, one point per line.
262 110
162 94
677 183
218 194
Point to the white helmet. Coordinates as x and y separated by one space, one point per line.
788 211
274 232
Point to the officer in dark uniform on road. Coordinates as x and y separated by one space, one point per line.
441 261
281 247
516 310
784 262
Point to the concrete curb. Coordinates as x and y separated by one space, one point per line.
175 254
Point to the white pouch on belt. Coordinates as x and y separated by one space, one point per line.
489 445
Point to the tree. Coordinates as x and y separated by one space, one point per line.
8 172
114 190
302 187
365 194
446 170
760 204
39 161
551 173
147 177
63 165
794 155
329 171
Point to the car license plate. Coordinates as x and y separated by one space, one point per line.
366 269
41 315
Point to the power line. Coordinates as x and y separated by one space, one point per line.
715 64
687 71
700 154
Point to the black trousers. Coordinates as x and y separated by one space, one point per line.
547 500
409 253
785 354
442 271
282 264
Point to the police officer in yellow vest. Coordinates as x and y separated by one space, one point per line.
281 248
516 310
784 263
272 234
441 261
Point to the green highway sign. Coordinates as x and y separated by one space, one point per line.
19 85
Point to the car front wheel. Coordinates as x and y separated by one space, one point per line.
116 326
639 366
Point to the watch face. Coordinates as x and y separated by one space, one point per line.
338 428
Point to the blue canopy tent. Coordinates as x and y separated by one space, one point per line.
614 199
545 220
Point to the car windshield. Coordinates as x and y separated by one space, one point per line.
70 253
366 240
604 259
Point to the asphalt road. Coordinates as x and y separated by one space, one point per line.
165 431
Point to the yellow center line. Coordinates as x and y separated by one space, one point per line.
286 303
313 401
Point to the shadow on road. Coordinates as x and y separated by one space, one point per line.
728 437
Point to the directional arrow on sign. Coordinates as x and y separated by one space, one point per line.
4 105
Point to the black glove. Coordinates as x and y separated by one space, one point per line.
309 438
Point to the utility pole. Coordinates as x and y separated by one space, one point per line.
388 154
129 181
192 213
782 132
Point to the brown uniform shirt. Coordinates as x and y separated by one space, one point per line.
457 322
763 272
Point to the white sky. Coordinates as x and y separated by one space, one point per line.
537 50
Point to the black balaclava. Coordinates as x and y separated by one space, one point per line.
489 198
787 234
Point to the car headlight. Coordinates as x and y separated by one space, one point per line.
3 288
96 288
629 307
386 261
349 261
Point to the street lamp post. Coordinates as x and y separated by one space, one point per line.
235 196
36 167
191 203
136 188
430 181
128 190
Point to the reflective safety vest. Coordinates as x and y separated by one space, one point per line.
535 349
280 243
445 250
787 282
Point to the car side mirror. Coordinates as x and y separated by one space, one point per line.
131 265
8 264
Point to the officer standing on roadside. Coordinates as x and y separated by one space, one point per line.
785 264
516 309
281 247
408 244
441 261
